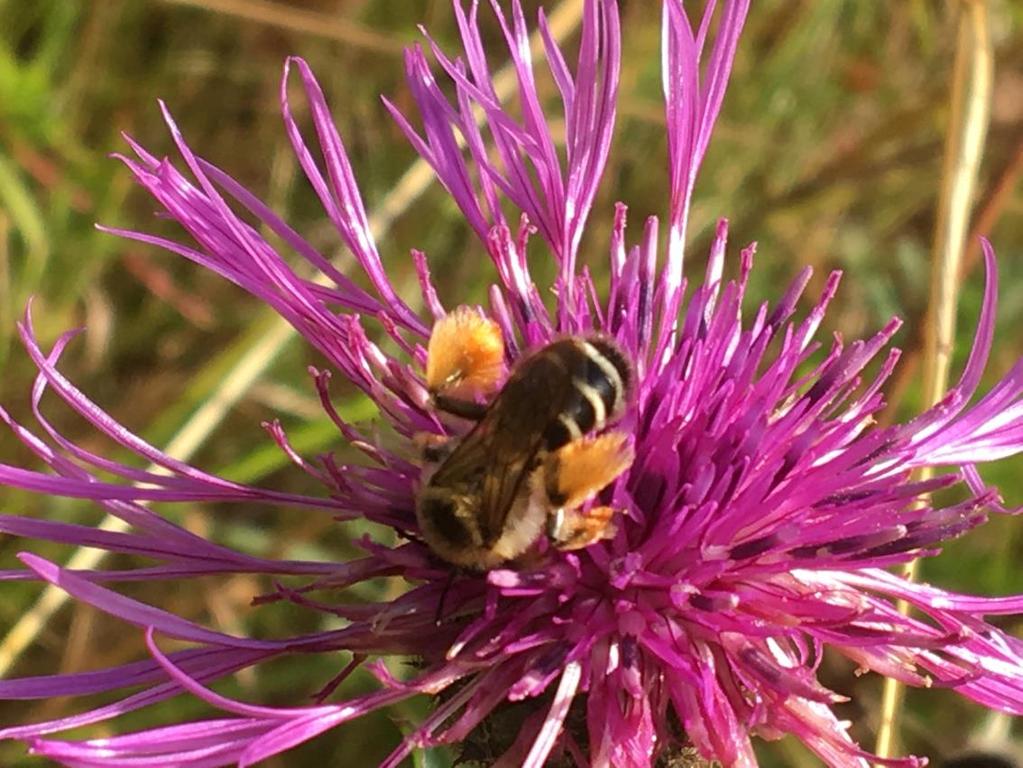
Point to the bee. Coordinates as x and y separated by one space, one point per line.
534 456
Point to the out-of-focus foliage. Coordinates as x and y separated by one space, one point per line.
828 153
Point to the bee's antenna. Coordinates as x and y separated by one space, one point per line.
439 617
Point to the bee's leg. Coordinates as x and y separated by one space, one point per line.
465 409
573 475
438 617
433 448
464 362
572 529
578 471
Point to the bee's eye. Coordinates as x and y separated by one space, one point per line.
441 515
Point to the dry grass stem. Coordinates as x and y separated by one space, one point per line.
302 21
968 121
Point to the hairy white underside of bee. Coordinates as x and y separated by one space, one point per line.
527 521
525 524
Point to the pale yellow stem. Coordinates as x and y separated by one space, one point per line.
968 121
236 382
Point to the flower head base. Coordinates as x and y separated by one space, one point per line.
754 524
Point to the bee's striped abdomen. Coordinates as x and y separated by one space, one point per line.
600 376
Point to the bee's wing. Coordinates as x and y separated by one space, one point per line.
496 457
465 465
532 399
493 463
503 484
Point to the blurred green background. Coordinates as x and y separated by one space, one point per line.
828 153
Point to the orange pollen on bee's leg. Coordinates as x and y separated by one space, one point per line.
465 356
584 467
580 529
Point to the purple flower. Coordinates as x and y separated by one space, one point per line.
754 526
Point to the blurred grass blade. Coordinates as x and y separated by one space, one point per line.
26 220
